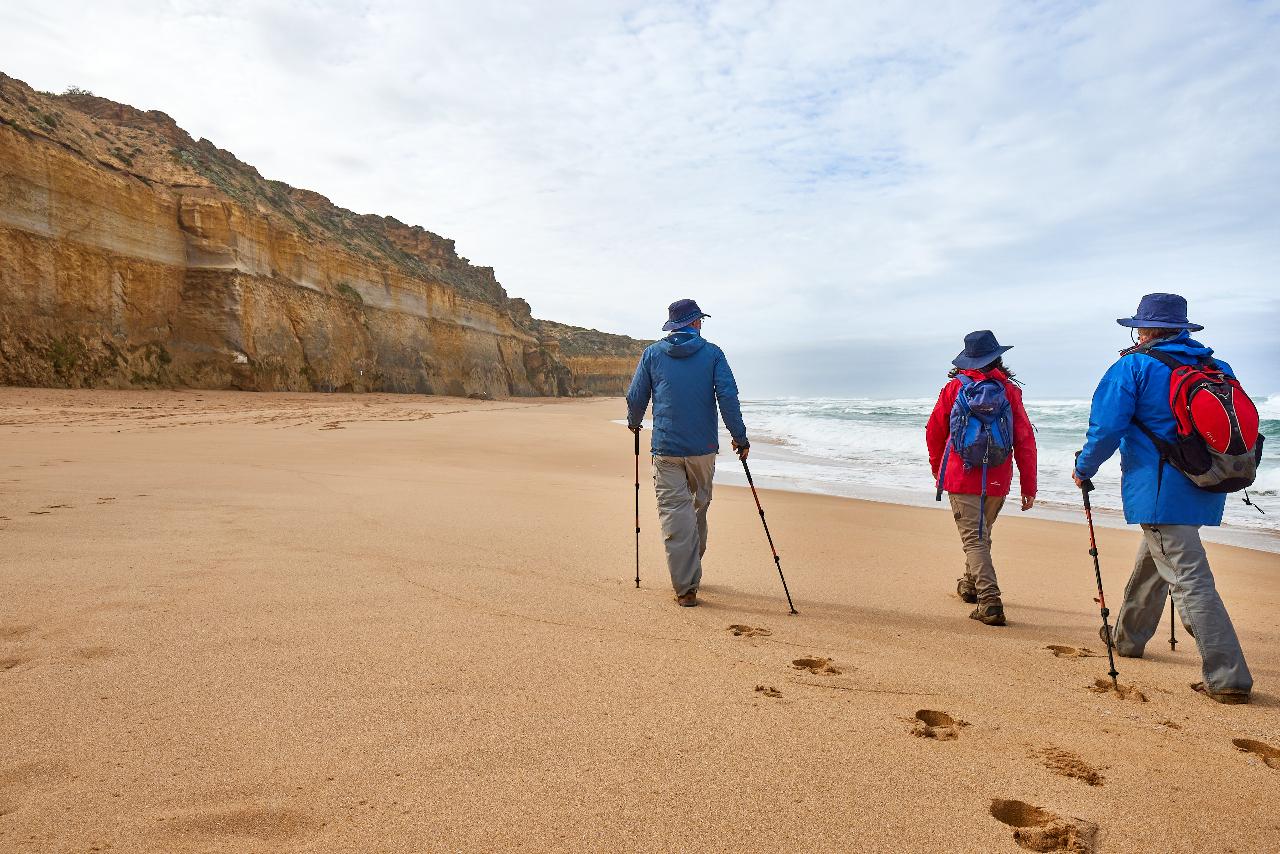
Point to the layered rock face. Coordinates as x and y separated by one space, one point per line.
132 255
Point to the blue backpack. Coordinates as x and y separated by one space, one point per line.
981 432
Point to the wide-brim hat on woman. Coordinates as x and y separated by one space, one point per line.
1161 311
980 349
682 312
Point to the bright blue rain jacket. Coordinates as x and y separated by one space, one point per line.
1136 388
686 375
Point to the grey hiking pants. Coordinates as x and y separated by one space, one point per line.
978 567
683 486
1173 556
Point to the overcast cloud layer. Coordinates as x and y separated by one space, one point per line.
846 187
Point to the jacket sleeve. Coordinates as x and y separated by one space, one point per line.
727 396
938 428
639 392
1114 404
1024 447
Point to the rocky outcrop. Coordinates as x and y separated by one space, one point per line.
132 255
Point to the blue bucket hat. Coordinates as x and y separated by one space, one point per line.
980 349
682 312
1161 311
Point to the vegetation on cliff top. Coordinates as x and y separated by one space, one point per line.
150 146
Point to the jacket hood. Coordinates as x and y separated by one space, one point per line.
681 345
975 374
1183 344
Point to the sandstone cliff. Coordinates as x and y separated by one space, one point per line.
132 255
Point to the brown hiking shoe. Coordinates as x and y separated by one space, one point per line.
1102 636
688 600
989 613
1227 698
966 591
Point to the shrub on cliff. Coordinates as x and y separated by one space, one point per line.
349 292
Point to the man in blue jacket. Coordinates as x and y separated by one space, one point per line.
1168 506
687 376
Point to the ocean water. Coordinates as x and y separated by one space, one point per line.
875 449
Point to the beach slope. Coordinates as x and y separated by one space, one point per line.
291 622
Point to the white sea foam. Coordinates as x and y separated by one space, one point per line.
879 445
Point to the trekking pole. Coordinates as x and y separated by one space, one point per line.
777 560
1173 640
637 435
1086 486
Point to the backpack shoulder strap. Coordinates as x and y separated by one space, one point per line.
1163 358
1173 364
965 380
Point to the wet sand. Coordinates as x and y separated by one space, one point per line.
239 622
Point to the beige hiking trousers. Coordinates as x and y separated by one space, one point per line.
978 567
683 487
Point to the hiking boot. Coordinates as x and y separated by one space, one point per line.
966 591
1115 643
989 613
1227 698
688 600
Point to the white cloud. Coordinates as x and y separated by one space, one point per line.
816 172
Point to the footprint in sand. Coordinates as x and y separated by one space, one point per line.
38 512
1268 754
1102 685
818 666
768 691
105 500
251 822
9 662
1037 829
934 724
1064 763
1070 651
15 632
91 653
741 631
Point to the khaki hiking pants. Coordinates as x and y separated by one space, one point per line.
978 567
1172 556
683 486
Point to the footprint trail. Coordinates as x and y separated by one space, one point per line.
1037 829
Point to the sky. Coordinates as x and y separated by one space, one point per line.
846 187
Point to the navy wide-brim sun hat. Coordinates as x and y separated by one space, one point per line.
980 349
1160 311
682 312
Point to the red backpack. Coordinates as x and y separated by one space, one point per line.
1217 444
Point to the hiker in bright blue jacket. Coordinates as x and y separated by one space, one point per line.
687 377
1161 499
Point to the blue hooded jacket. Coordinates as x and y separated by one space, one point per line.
686 375
1136 388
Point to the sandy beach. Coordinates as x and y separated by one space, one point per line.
239 622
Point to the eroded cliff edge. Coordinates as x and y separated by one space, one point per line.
132 255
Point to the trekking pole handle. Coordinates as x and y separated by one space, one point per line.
636 433
1086 484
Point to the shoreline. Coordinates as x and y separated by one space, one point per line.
767 449
1231 535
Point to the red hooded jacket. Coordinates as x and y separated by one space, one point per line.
999 478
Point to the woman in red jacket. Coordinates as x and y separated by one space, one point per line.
980 360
